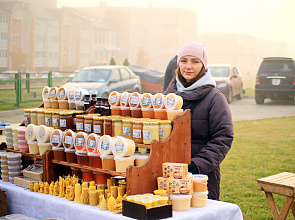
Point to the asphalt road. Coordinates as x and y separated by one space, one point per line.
245 109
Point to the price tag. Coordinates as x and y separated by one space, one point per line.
55 139
146 134
119 147
55 122
52 93
136 133
61 94
124 100
91 144
63 123
161 133
126 131
47 121
104 145
80 142
113 99
146 101
79 126
88 127
170 101
69 140
96 129
158 102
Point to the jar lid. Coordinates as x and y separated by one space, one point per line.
98 118
80 116
117 119
127 120
179 196
34 110
88 117
48 112
65 113
150 122
165 121
27 110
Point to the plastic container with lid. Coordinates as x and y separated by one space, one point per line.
14 163
82 158
125 111
47 103
48 118
94 160
22 142
137 131
62 93
92 143
105 145
8 134
124 100
181 202
3 162
79 123
44 147
71 93
21 131
117 127
21 137
15 146
27 116
65 120
23 148
5 178
87 175
4 167
15 168
123 162
173 102
79 105
146 100
127 128
34 118
56 138
148 113
116 110
199 199
80 94
69 139
72 105
200 182
63 104
172 113
55 120
71 156
14 174
136 112
134 100
140 159
101 178
45 92
41 117
14 140
44 134
159 101
9 145
53 93
160 114
123 147
150 131
165 128
108 162
114 98
10 139
54 104
31 132
88 123
98 125
14 156
81 141
59 153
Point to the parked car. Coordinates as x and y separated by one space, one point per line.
72 75
101 80
275 79
54 74
228 80
8 75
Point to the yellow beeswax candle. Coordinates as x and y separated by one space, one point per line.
77 192
84 185
93 198
114 191
85 196
100 186
110 182
92 183
121 190
92 188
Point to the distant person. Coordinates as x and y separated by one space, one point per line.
211 120
170 72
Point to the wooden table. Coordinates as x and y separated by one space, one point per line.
282 184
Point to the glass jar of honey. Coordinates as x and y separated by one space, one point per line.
34 118
150 131
48 118
127 128
79 123
27 116
55 120
66 121
137 131
98 125
107 126
41 117
165 128
88 123
117 127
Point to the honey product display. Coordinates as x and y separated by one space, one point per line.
176 186
31 132
200 182
165 128
82 158
63 104
56 138
181 202
48 118
53 93
127 128
125 111
92 143
124 100
59 153
104 145
44 134
34 117
114 98
81 141
66 120
173 102
98 125
137 131
160 114
33 147
117 127
69 139
150 131
134 100
116 110
41 117
159 101
175 170
136 112
88 123
108 162
80 123
44 147
123 147
140 159
45 92
146 100
95 160
148 113
27 116
199 199
123 162
54 104
62 93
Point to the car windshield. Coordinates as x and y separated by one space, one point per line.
92 75
276 66
219 71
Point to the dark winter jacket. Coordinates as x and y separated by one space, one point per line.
170 72
211 130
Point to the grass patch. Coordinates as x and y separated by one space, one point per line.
261 148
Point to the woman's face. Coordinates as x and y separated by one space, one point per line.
190 67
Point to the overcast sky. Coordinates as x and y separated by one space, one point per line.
265 19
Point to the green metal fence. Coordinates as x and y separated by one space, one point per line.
17 88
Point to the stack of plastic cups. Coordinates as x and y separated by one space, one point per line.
43 138
15 145
4 166
199 197
14 166
30 134
22 142
9 137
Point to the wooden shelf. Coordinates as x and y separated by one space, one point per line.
24 154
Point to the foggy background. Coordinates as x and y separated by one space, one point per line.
67 35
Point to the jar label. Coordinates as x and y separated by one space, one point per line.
161 133
170 101
124 100
68 140
30 133
55 139
27 120
52 93
119 147
105 145
136 133
88 127
96 129
134 100
126 131
79 126
47 121
158 102
71 95
146 101
41 134
91 144
55 122
63 123
78 95
147 134
80 142
61 94
113 99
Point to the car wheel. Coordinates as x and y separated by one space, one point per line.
229 96
259 99
240 95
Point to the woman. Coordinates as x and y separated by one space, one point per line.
211 121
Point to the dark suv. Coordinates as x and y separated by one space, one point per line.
275 79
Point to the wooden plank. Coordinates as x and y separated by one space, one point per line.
286 208
272 205
276 177
24 154
282 190
293 208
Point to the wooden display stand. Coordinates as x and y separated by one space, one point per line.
282 184
143 179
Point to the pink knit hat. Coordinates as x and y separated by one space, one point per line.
194 49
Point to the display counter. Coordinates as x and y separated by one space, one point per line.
40 206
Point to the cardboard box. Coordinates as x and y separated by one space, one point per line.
176 186
24 181
175 170
3 203
35 173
